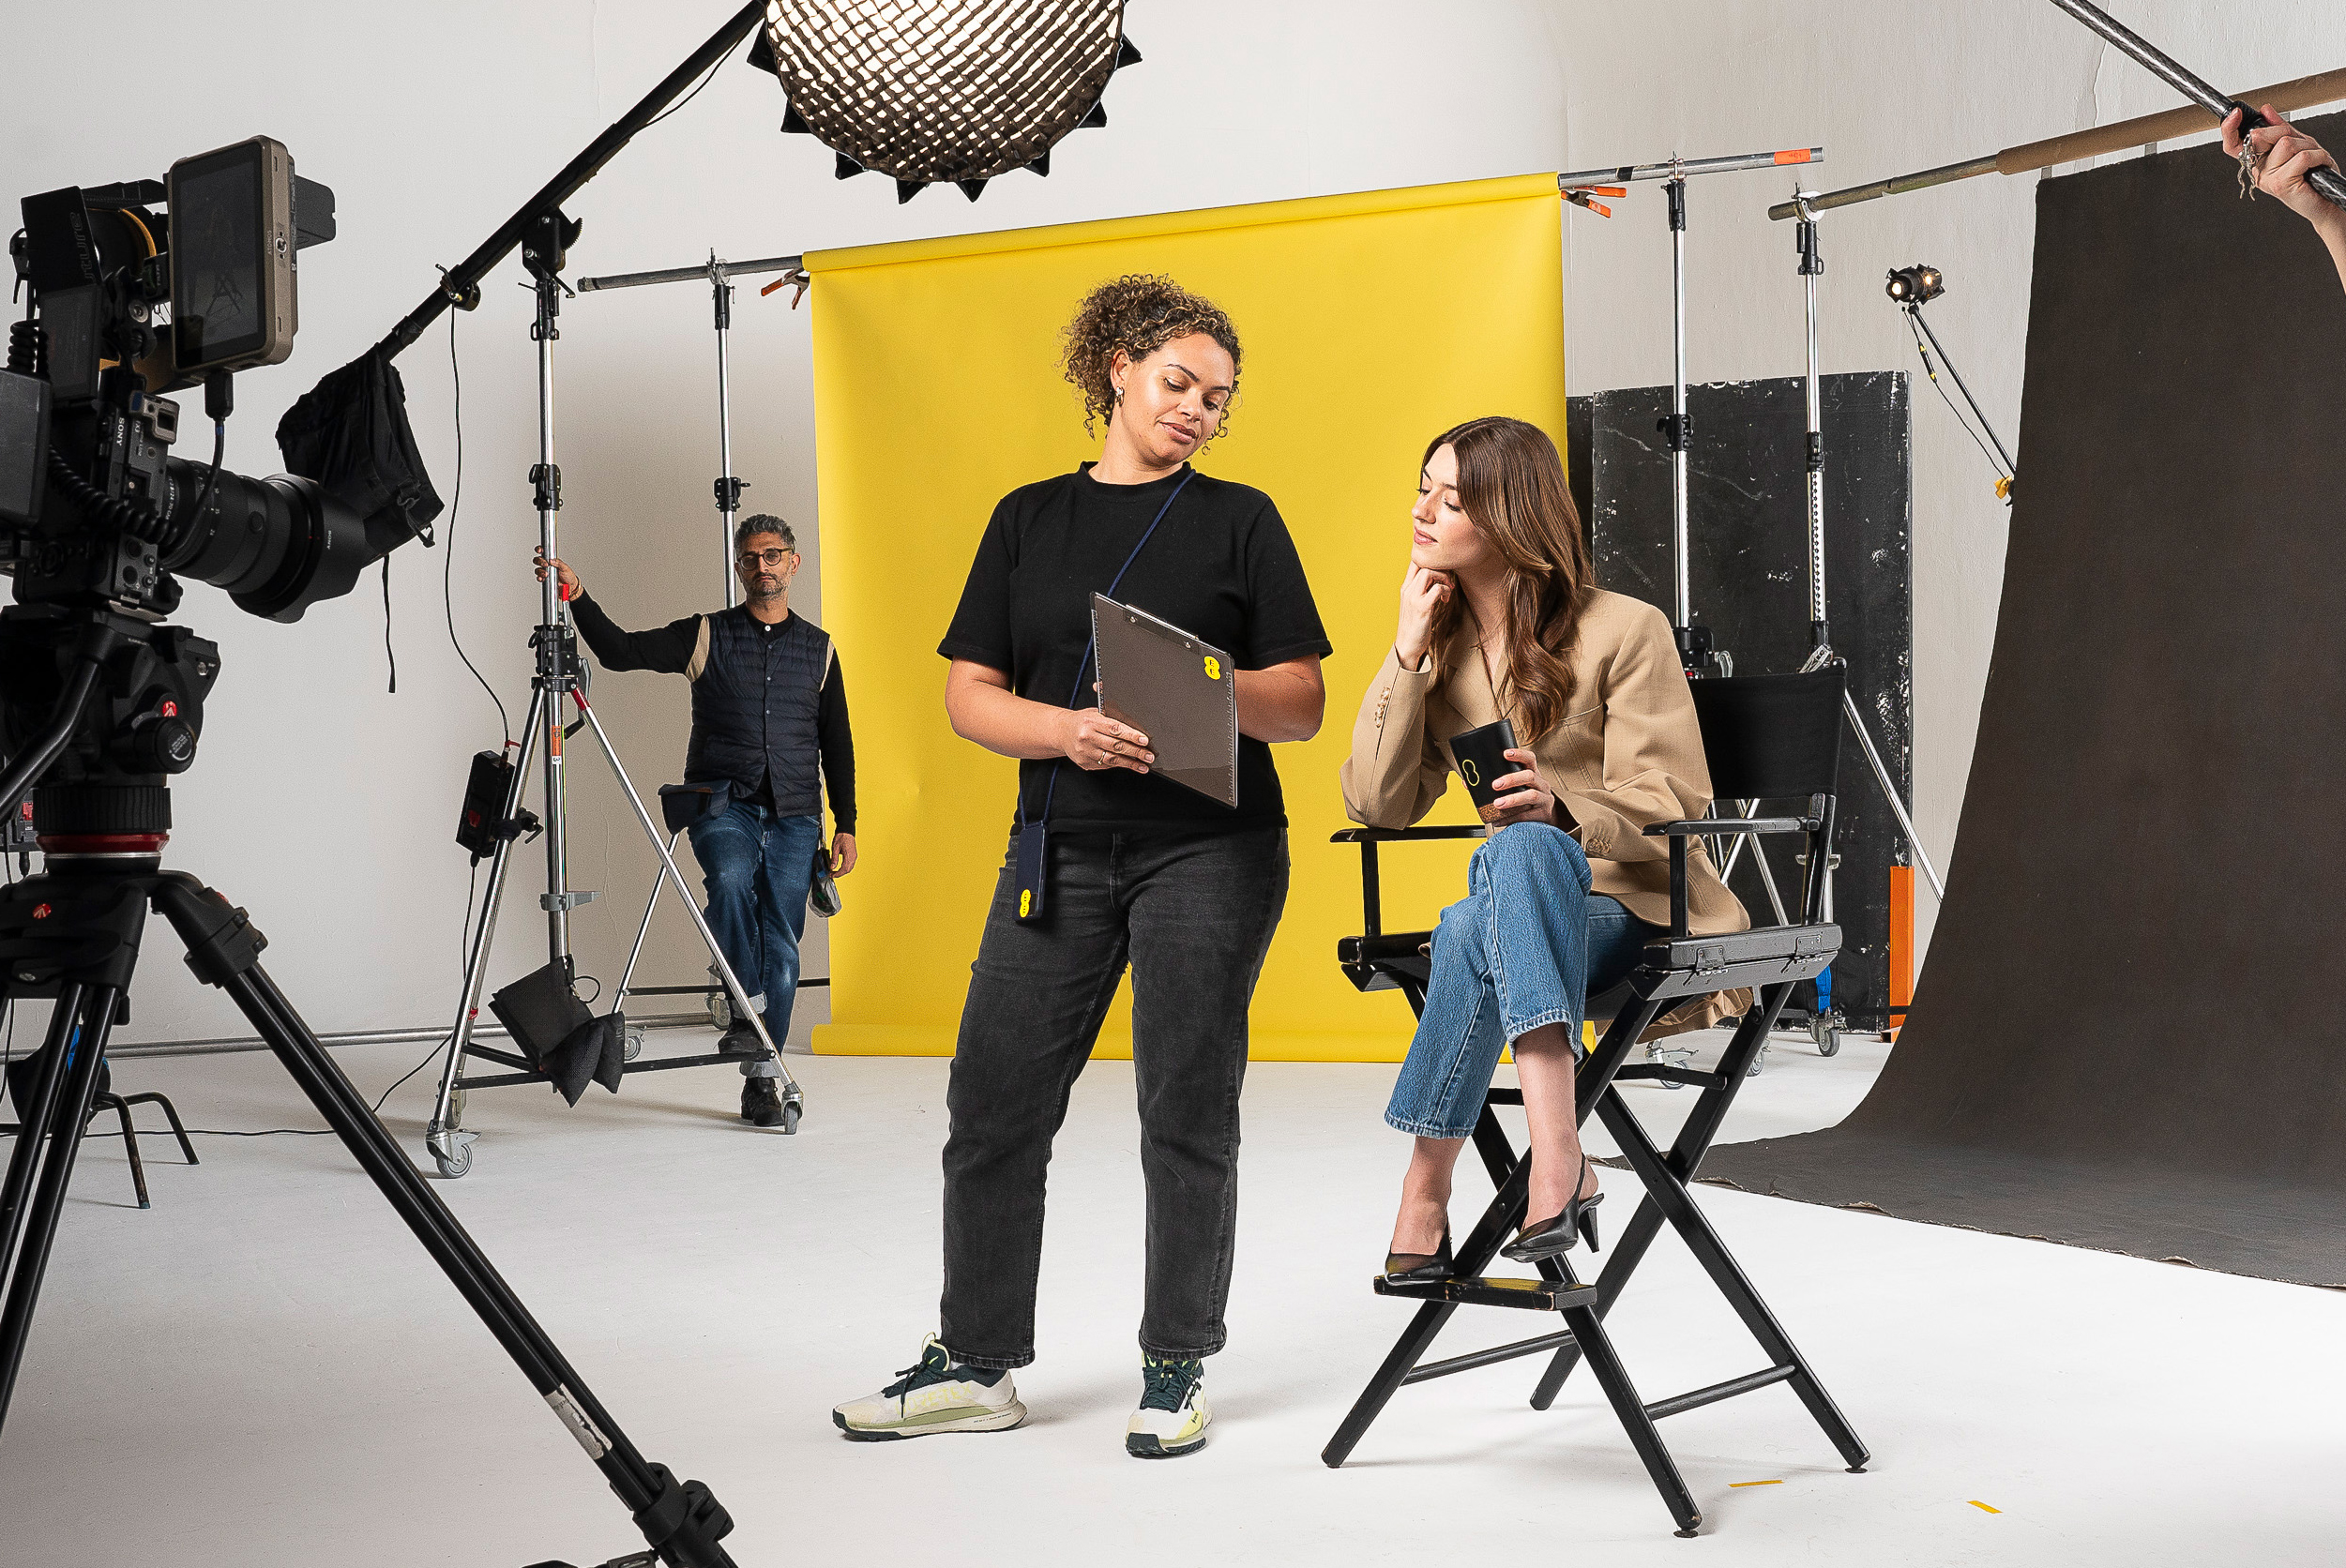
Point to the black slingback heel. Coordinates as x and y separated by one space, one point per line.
1421 1268
1576 1222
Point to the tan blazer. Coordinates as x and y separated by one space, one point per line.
1628 752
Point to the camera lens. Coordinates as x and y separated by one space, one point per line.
277 545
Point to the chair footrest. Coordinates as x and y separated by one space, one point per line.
1530 1295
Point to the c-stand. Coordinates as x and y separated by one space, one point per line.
560 676
123 698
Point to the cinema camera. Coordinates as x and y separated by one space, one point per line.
98 521
103 702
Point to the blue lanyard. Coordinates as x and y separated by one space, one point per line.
1052 788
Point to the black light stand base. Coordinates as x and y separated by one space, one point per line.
72 933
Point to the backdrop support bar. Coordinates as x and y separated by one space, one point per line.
1679 169
2303 92
697 273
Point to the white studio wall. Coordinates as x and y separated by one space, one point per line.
325 805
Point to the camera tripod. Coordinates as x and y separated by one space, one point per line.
72 933
559 678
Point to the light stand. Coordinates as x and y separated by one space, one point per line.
1694 642
1695 653
1911 288
719 274
560 674
1811 253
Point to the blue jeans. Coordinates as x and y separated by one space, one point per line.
1527 946
757 866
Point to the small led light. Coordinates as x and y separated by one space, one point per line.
1918 285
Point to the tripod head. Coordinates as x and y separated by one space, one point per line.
97 710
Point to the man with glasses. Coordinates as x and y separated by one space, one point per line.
769 726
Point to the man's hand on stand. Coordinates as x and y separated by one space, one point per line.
568 579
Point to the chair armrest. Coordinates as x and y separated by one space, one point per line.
1704 825
1402 834
1371 898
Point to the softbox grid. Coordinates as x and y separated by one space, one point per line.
927 93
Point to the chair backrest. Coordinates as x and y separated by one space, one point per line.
1771 737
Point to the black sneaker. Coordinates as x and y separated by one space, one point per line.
761 1103
1174 1413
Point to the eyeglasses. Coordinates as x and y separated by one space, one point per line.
749 558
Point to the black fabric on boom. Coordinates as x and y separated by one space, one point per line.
350 433
2127 1033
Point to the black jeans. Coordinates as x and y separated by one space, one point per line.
1193 914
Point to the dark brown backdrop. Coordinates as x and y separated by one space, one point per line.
2128 1032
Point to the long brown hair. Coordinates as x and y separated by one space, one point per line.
1511 483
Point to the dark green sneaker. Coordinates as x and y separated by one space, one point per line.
1174 1413
934 1395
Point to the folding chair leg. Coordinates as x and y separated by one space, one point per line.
1628 1250
130 1144
171 1113
1397 1367
1623 1395
1678 1207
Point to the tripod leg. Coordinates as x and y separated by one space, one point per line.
682 1520
1890 792
85 1029
791 1093
660 884
451 1146
35 1119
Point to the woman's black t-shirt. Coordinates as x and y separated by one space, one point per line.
1221 567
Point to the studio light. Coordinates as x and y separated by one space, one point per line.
930 93
1918 285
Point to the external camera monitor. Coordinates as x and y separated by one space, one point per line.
232 257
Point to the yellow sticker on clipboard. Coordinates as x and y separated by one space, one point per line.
1213 668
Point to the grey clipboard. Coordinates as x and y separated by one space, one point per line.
1179 691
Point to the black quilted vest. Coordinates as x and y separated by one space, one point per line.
754 710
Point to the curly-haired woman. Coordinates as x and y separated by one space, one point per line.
1140 870
1500 618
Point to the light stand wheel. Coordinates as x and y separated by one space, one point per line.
792 1109
1825 1030
634 1047
451 1150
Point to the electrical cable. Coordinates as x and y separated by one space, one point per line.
389 654
687 98
464 948
211 478
447 558
1931 371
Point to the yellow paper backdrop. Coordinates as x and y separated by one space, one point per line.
1370 322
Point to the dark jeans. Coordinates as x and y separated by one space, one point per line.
757 868
1193 914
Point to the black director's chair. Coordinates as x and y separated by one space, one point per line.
1767 737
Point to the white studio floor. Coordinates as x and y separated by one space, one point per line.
266 1370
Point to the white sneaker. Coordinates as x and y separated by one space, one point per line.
934 1395
1174 1413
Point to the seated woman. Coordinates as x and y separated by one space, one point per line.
1499 619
